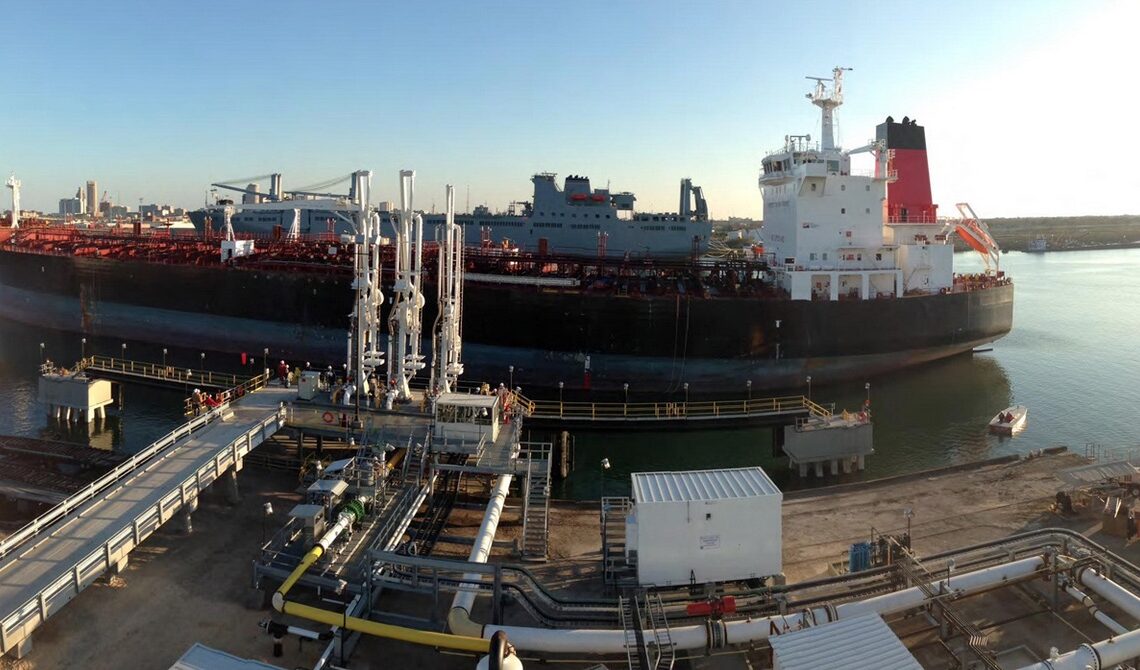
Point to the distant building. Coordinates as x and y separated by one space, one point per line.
92 198
114 211
70 206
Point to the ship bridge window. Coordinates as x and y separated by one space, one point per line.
878 257
843 187
789 261
833 166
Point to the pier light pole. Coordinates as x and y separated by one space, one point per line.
82 348
42 359
265 363
124 351
809 387
511 378
908 514
164 358
748 383
625 387
602 501
561 385
686 394
867 388
265 518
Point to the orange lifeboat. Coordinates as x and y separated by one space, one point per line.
578 197
598 197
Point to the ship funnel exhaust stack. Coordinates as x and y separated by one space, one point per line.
448 341
14 184
365 355
404 324
275 186
827 101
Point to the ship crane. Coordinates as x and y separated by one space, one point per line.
404 325
447 343
364 353
14 184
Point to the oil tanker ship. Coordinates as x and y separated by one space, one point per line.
856 279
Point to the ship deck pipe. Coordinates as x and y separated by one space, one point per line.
459 618
751 630
1084 599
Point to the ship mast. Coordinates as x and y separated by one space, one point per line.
447 365
365 355
827 101
14 184
404 325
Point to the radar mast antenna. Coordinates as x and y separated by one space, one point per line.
827 101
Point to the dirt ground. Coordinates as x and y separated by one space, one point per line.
180 589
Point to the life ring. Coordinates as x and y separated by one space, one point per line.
863 416
328 417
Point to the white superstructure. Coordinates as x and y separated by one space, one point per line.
14 184
825 228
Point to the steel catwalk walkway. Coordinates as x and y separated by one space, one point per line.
47 563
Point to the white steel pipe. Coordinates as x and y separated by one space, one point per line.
1111 591
912 597
1104 654
1084 599
749 630
459 618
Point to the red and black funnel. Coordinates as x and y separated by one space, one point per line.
908 198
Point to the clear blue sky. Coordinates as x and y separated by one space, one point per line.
156 99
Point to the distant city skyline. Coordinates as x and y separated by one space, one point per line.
637 95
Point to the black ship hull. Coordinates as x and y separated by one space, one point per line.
579 338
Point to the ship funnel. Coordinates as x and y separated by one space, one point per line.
908 197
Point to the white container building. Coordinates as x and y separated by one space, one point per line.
704 526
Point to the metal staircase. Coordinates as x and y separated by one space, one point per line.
642 614
632 628
534 458
617 569
662 654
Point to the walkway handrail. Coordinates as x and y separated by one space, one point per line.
72 503
604 411
159 371
191 406
75 575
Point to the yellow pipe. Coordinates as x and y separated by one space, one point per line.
308 560
413 635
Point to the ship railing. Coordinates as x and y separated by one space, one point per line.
662 411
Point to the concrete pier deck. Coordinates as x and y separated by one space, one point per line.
49 562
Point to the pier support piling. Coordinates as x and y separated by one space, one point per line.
230 487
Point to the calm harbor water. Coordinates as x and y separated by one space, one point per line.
1072 357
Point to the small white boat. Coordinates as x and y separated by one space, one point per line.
1010 420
